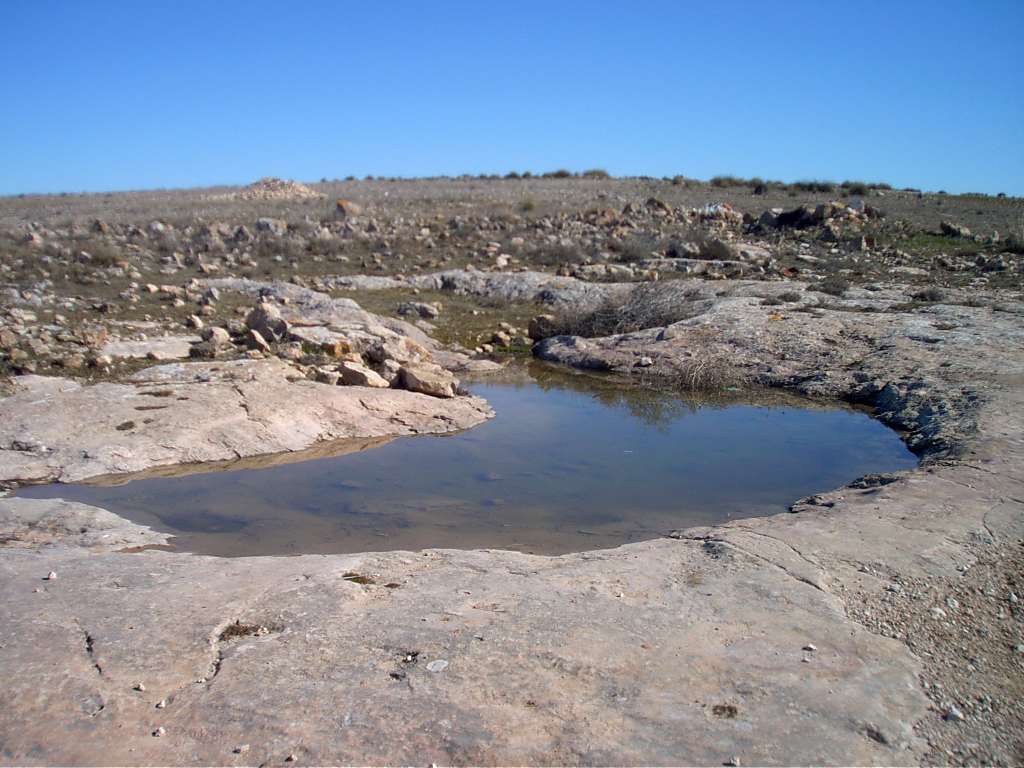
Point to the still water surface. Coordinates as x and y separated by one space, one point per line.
569 463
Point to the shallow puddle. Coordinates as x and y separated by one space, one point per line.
569 463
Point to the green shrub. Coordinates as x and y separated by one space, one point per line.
932 294
636 248
596 173
557 255
815 186
726 181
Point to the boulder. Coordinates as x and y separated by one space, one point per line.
428 379
950 229
347 208
420 308
273 226
217 336
267 321
358 375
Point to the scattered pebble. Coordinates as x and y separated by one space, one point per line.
160 731
437 665
953 714
51 576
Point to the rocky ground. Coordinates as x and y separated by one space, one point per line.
878 623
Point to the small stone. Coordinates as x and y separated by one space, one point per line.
733 761
437 665
51 576
291 758
160 731
257 342
953 714
161 704
139 687
810 647
241 749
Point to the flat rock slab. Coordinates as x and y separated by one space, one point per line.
187 413
660 653
527 286
157 348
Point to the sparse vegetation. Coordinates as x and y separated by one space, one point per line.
648 305
833 286
636 248
814 186
931 295
727 181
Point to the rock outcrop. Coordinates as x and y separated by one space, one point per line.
186 413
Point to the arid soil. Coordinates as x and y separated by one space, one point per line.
875 624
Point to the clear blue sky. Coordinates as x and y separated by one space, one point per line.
161 93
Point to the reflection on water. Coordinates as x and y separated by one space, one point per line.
569 463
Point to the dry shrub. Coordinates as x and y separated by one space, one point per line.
709 371
649 305
833 286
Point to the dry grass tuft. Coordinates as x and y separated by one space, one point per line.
649 305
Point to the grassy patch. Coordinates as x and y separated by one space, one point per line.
927 244
464 320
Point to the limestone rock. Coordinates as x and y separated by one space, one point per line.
266 320
358 375
200 412
429 379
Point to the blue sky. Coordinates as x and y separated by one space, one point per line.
129 95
